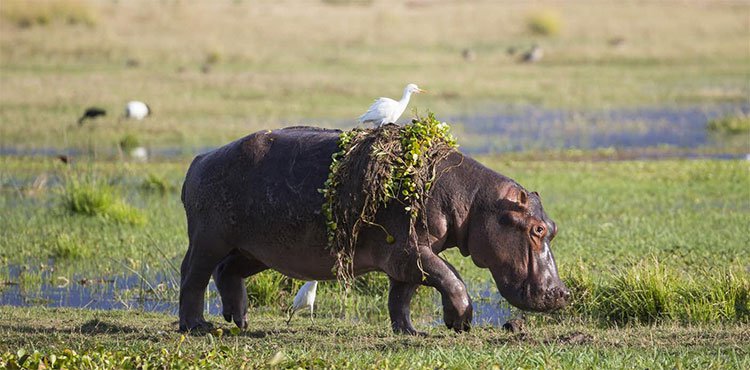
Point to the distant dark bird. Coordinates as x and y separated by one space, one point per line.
63 158
616 41
534 55
137 110
469 55
91 112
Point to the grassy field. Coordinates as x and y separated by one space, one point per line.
656 252
213 71
126 340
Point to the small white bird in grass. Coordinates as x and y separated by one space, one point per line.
386 110
137 110
304 298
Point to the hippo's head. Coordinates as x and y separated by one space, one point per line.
511 236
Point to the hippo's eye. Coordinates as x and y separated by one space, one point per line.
539 230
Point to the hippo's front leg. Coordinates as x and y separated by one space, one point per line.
457 309
399 298
457 306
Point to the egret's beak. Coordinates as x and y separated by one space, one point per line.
421 91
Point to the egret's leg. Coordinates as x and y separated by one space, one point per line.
312 321
291 314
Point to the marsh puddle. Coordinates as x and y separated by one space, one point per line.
125 291
524 129
159 293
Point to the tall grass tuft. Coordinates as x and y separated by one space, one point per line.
265 288
648 293
97 198
544 23
68 246
157 184
40 13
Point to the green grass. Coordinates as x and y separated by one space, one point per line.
650 293
655 252
94 197
736 124
119 339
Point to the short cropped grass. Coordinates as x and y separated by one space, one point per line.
127 339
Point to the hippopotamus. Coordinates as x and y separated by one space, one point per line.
254 204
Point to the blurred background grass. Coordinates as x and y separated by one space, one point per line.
215 70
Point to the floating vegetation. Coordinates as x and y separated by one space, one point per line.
372 168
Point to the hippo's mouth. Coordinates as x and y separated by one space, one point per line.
529 299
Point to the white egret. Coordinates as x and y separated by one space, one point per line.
534 55
137 110
304 298
386 110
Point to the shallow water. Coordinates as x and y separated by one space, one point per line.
125 291
158 294
523 129
513 129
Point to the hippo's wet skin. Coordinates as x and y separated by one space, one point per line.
254 204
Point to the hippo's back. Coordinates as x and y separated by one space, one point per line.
269 175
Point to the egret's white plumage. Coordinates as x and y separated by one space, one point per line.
304 298
137 110
387 110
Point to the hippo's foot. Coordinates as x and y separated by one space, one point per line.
238 318
405 327
197 325
456 321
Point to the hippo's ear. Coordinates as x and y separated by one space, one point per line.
516 195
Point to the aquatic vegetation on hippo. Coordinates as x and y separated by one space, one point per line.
393 164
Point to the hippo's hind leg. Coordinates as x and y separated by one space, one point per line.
229 277
201 258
